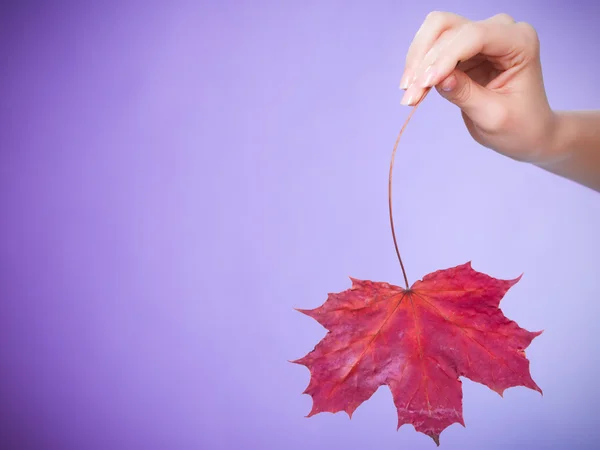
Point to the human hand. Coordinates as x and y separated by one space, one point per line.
491 70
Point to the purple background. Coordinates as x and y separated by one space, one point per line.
177 177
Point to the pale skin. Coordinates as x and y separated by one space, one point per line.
491 70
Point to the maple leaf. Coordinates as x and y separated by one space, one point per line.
417 341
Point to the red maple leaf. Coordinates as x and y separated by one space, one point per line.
417 341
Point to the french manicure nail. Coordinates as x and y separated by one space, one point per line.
429 75
405 81
407 99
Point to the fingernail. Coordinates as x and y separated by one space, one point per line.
429 74
431 56
407 99
448 84
406 78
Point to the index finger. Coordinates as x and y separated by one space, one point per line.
436 23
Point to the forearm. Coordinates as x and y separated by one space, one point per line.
575 147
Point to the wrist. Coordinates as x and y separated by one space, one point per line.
556 142
574 147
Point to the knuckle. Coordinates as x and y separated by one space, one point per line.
504 18
436 18
530 37
473 31
433 16
528 31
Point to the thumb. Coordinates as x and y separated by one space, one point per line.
476 101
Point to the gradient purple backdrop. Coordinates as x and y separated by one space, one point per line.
176 177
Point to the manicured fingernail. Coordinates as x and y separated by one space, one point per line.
431 56
405 81
407 99
429 74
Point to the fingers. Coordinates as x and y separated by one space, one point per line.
491 39
497 37
435 25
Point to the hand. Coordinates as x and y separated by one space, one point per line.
491 70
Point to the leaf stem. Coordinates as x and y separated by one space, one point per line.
390 184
